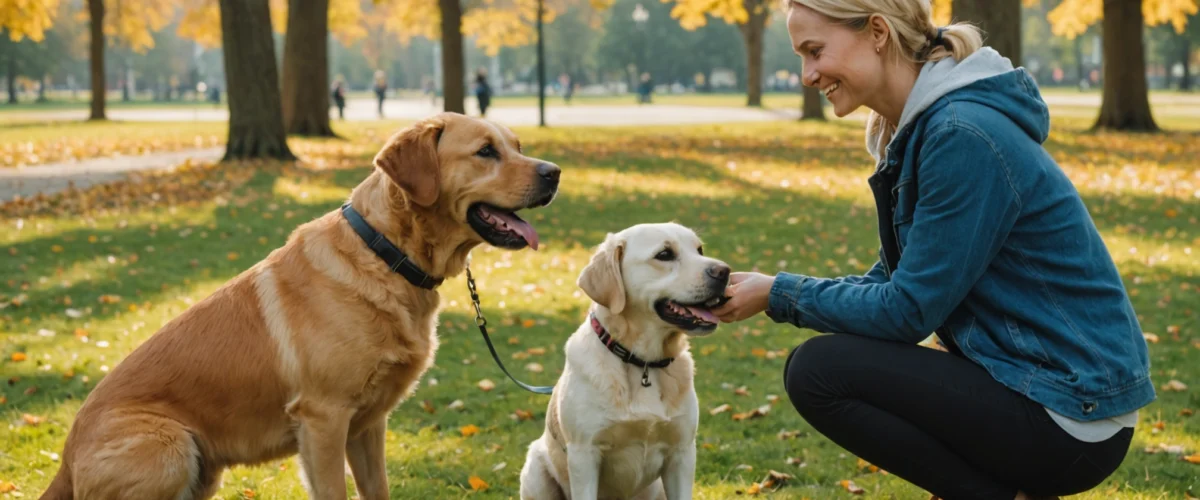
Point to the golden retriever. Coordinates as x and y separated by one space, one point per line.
308 350
617 427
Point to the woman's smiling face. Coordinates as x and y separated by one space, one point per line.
838 59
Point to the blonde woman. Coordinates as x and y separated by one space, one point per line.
983 240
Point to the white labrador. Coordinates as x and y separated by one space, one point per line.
615 426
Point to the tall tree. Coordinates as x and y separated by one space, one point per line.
453 65
1000 21
306 69
255 110
751 17
96 60
1125 100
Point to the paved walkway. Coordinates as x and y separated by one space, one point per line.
54 177
413 109
51 178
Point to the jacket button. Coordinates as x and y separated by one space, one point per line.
1089 406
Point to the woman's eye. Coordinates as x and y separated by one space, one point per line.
665 255
815 52
487 152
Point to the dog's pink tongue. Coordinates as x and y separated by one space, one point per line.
703 314
521 227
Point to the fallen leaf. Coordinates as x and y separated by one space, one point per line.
477 483
29 391
1188 495
18 356
534 368
486 385
741 391
500 466
7 487
1193 458
758 352
863 464
469 430
427 406
32 419
796 461
787 435
720 409
1174 386
851 487
757 412
1186 412
456 405
522 415
248 493
528 323
536 351
1150 337
513 341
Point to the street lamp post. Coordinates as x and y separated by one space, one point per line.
541 67
640 16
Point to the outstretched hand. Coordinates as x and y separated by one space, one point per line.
748 294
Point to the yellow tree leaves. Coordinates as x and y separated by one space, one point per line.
131 23
1072 17
694 14
492 23
201 21
21 19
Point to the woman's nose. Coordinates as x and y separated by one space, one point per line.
811 77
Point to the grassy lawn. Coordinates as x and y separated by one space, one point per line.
87 277
33 143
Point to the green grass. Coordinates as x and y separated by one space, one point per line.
772 196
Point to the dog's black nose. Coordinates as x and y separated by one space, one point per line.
718 272
549 171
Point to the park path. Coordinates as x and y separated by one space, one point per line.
54 177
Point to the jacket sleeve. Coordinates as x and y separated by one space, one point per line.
964 213
875 275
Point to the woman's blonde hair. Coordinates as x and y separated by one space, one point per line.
914 37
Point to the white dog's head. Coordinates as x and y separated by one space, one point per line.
657 271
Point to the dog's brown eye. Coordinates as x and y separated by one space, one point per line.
487 152
700 250
666 255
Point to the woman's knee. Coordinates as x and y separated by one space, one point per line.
807 369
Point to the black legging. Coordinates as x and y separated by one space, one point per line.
940 421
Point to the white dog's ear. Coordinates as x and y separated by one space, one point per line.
601 279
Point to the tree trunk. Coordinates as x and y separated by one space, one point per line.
41 95
453 68
96 15
252 82
1000 21
752 37
10 73
812 109
1079 61
1125 101
1185 80
306 69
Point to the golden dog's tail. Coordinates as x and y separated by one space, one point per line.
60 488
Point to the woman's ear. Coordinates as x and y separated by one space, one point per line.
880 31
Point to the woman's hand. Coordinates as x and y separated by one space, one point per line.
748 293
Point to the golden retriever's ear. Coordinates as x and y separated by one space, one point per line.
410 159
601 279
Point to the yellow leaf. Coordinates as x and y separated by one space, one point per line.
528 323
31 419
232 256
469 430
1193 458
851 487
477 483
18 356
56 248
248 493
7 487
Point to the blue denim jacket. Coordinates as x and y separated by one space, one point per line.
986 241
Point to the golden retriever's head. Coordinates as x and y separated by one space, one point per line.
659 271
471 173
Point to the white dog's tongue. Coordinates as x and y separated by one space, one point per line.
521 227
703 314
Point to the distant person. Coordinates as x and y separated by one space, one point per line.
338 93
380 90
483 91
645 87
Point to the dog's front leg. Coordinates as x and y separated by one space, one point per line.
680 473
583 465
322 439
365 454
